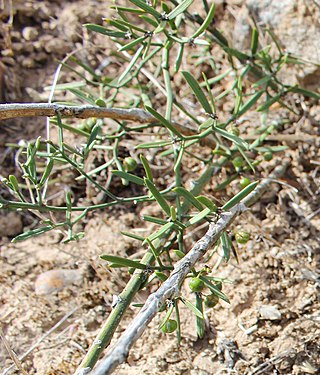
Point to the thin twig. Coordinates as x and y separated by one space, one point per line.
48 333
12 354
13 110
171 287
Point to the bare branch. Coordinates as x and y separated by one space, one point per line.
13 110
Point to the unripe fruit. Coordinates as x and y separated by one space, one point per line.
245 181
267 156
170 326
129 164
196 285
211 300
242 237
238 162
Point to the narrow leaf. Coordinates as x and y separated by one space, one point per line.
225 246
195 87
156 144
129 177
161 231
158 197
131 64
200 321
147 8
146 167
32 233
179 9
164 122
192 307
188 196
233 138
214 289
205 23
123 262
242 194
200 216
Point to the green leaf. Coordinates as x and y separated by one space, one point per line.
168 226
132 44
192 307
233 138
127 9
200 321
195 87
308 93
32 233
242 194
225 246
147 8
251 102
164 122
254 41
188 196
46 172
200 216
239 55
167 316
207 202
129 177
161 276
179 9
214 289
105 31
158 197
269 103
123 262
154 220
206 23
156 144
146 167
263 81
131 64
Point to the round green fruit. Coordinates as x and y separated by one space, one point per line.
211 300
129 164
170 326
238 162
196 285
242 237
267 156
245 181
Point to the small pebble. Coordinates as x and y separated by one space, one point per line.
269 312
30 33
51 282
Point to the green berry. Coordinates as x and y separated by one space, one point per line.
170 326
211 300
100 102
235 131
196 285
245 181
242 237
129 164
238 162
267 156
